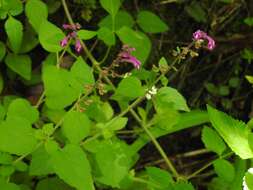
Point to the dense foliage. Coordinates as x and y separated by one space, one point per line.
93 95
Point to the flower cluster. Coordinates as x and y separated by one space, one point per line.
151 92
72 35
200 36
125 56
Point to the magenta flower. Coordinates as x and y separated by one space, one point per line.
200 35
78 46
72 35
65 41
125 56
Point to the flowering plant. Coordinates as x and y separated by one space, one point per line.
82 102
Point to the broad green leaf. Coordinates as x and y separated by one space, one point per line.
86 34
72 166
107 36
17 136
219 184
196 11
111 6
76 126
234 82
8 186
213 141
181 185
170 97
117 123
151 23
247 54
61 88
128 89
82 72
234 133
112 162
5 158
13 7
53 183
14 30
224 90
40 163
136 39
240 168
248 21
248 180
50 37
161 178
122 18
36 12
6 170
2 50
21 64
249 78
224 169
22 108
30 40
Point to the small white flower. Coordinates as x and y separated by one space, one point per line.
245 186
250 170
151 92
148 96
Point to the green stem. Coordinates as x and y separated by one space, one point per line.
208 165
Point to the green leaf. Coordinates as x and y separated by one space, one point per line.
181 185
224 90
234 133
52 184
160 177
13 7
197 12
248 21
22 108
14 30
8 186
82 72
248 180
117 123
136 39
2 50
30 40
151 23
50 37
224 169
76 126
40 163
213 141
122 18
128 89
249 78
170 97
107 36
5 158
36 12
72 166
234 82
111 6
219 184
61 89
112 162
86 34
17 136
21 64
247 54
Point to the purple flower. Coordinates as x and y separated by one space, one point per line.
72 35
78 46
200 35
125 56
64 41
